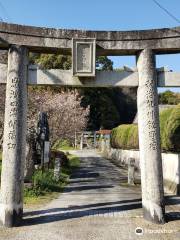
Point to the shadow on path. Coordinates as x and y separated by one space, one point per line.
84 206
94 177
74 212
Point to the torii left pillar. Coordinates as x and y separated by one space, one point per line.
14 143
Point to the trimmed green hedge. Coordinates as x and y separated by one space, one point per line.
126 136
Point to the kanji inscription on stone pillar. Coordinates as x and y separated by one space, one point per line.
11 204
83 57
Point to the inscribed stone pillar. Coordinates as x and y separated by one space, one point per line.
149 139
94 139
82 142
57 167
131 171
14 143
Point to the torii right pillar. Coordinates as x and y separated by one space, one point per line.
149 139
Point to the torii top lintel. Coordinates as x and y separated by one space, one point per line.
39 39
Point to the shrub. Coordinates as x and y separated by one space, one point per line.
126 136
168 97
44 182
170 129
63 144
62 156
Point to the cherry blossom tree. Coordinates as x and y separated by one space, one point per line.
65 115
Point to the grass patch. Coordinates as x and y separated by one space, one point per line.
64 148
31 201
125 184
74 161
45 187
63 145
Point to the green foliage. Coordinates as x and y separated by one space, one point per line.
103 112
169 97
57 61
63 144
74 162
32 192
126 136
108 113
44 182
103 63
170 129
164 116
51 61
107 106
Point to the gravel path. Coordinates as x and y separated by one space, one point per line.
95 205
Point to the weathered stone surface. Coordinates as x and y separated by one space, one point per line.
149 138
84 57
102 79
3 71
29 160
170 163
57 167
108 42
162 107
14 138
46 151
3 56
64 78
168 79
131 171
81 142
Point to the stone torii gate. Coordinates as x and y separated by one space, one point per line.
84 46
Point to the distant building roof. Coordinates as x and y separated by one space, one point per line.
103 131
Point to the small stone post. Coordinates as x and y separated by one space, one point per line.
57 167
94 139
103 145
81 141
131 171
149 139
14 144
29 160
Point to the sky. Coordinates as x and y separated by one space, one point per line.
97 15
